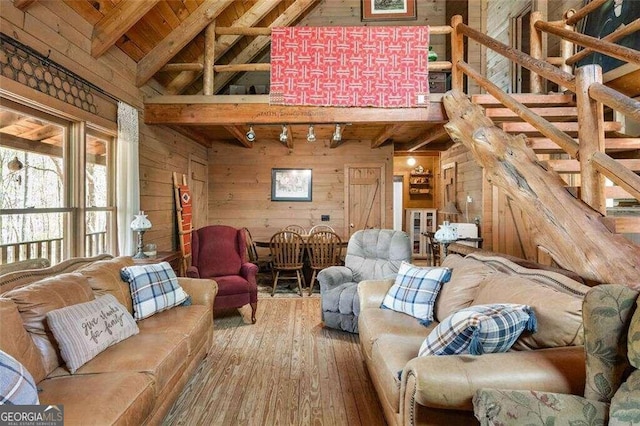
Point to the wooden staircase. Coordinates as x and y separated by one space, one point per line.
560 109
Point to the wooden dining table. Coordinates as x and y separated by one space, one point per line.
307 266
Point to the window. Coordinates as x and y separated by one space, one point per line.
42 166
99 215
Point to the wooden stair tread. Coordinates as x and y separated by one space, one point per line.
547 146
567 127
558 113
626 224
529 99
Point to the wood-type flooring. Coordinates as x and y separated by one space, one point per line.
284 370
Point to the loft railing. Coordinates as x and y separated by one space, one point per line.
589 90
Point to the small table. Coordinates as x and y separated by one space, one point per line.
173 257
445 246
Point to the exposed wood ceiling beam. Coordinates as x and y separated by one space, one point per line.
250 52
427 137
178 38
41 133
116 23
238 133
195 110
223 43
31 146
23 4
384 135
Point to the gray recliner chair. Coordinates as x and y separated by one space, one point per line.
372 254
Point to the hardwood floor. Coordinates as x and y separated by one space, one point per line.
285 369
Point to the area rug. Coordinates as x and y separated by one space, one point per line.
286 289
350 66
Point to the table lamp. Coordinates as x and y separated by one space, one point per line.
447 233
140 224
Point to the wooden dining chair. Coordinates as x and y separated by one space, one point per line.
263 261
295 228
434 248
323 248
287 249
318 228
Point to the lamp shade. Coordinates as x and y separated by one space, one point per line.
450 208
140 222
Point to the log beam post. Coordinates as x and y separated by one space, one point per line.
535 40
209 58
590 137
569 229
457 53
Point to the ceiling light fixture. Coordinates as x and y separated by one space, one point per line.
284 136
251 135
311 137
337 134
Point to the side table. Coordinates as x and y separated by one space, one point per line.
173 257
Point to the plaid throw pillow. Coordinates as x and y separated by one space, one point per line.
415 290
479 329
17 387
154 288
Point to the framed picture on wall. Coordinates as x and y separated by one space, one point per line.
604 20
291 185
388 10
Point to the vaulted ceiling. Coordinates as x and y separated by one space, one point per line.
167 39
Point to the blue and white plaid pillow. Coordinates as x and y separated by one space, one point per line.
479 329
415 290
154 288
17 386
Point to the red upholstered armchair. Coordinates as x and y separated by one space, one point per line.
219 252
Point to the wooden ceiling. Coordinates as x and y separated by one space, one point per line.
162 36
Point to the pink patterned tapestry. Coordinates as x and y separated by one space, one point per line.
350 66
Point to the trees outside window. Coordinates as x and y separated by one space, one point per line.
39 201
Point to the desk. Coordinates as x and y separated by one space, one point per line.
173 257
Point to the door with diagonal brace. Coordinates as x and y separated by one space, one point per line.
364 196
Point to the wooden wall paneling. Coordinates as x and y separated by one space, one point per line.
240 183
32 28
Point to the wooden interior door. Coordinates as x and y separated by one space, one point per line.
198 183
365 190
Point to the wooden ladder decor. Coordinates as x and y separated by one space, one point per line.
183 213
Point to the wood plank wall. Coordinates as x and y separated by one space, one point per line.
240 183
56 30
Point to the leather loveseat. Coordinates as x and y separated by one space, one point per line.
439 389
133 382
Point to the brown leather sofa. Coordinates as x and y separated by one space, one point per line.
135 381
439 389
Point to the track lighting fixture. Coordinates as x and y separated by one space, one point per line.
337 133
284 135
251 135
311 137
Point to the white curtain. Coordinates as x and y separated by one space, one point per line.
127 177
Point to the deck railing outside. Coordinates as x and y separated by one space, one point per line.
52 249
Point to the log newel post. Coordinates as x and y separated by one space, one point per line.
590 137
535 40
457 53
209 58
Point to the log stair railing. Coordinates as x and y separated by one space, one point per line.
566 130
